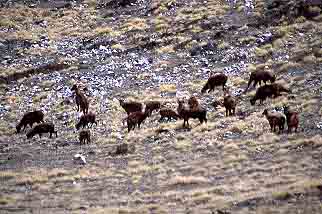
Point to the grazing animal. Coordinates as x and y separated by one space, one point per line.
292 119
131 106
81 101
136 118
152 105
84 137
215 80
168 113
193 102
229 104
259 76
265 91
275 119
29 119
41 129
85 119
187 113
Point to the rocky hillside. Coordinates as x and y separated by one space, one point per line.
160 50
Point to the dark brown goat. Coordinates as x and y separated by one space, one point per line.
265 91
81 101
85 119
187 113
41 129
123 149
229 104
152 105
29 119
168 113
131 106
215 80
84 137
292 119
259 76
275 119
136 118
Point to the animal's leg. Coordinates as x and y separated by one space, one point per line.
39 135
50 134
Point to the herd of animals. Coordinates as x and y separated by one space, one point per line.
137 112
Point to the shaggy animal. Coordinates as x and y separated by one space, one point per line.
152 105
131 106
84 137
136 118
275 119
215 80
41 129
81 100
229 104
168 113
187 113
292 119
259 76
265 91
86 119
193 102
29 119
123 149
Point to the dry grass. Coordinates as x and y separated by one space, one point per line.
187 180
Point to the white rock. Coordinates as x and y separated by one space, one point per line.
80 159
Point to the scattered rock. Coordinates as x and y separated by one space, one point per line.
79 159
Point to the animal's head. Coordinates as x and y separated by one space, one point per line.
121 101
252 101
193 101
286 109
77 126
204 89
30 134
74 88
18 128
180 101
265 112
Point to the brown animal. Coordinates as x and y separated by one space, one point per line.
41 129
29 119
259 76
84 137
229 104
152 105
136 118
85 119
131 106
292 119
81 101
123 149
193 102
275 119
215 80
265 91
187 113
168 113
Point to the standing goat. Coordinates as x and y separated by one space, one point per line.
292 119
81 101
187 113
